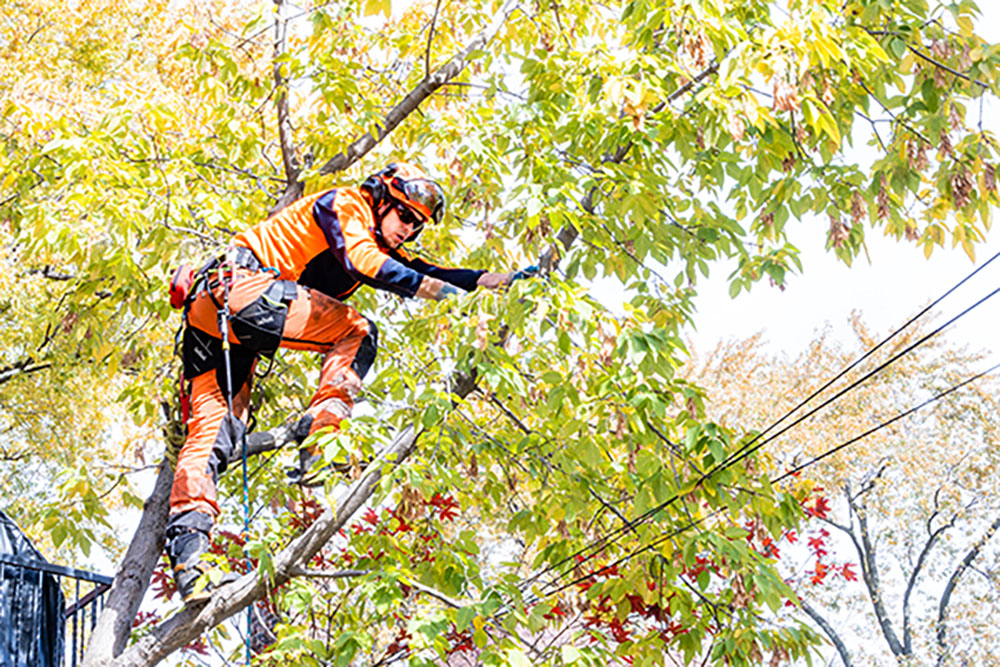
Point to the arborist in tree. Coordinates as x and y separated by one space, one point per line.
284 281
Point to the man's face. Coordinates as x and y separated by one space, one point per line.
394 230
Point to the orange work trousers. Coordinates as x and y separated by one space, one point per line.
312 321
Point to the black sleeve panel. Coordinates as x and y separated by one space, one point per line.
463 278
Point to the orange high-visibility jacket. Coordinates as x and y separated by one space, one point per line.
327 241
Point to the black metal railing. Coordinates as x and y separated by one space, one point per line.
32 633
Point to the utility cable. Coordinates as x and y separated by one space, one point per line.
797 469
867 354
747 452
744 452
790 473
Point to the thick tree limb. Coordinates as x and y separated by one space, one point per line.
229 600
838 643
415 97
115 622
942 622
293 187
870 576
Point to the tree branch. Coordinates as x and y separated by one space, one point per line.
436 594
933 535
870 575
942 622
115 622
335 574
293 187
960 75
229 600
22 367
415 97
838 643
430 40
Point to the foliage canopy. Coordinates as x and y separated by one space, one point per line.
650 142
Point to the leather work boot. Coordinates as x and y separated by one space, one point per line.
185 548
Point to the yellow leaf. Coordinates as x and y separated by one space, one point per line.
378 7
965 25
906 64
969 249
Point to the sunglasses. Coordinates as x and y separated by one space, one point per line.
409 217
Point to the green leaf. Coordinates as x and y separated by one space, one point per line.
517 658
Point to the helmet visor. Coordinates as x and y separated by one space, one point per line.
423 195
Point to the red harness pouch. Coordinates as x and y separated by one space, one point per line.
180 285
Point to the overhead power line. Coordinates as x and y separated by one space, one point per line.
749 448
794 471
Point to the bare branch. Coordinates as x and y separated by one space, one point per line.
293 187
334 574
838 643
430 39
960 75
870 575
436 594
22 367
921 559
942 622
415 97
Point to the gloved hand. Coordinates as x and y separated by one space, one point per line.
446 291
527 272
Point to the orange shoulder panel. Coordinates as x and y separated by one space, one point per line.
288 240
357 228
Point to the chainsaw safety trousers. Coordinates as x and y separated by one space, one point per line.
308 320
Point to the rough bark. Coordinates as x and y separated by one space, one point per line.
115 622
114 625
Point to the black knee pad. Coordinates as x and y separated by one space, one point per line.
365 356
227 440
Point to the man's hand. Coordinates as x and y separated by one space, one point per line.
493 280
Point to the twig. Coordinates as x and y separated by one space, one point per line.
321 574
960 75
430 38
